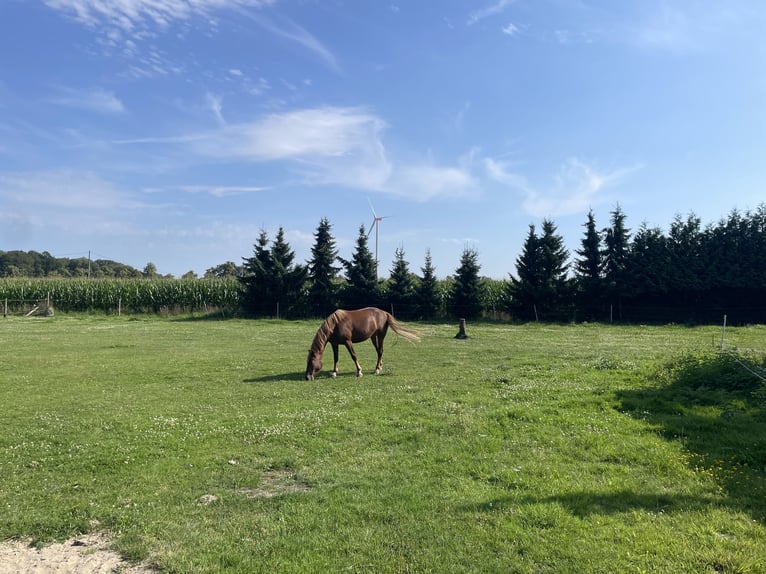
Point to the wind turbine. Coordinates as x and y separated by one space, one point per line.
375 224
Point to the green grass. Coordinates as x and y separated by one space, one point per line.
525 448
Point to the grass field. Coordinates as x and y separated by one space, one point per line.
198 446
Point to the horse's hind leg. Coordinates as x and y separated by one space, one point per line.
377 341
352 352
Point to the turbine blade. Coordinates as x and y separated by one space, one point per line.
375 215
372 225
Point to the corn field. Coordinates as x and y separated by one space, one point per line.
122 295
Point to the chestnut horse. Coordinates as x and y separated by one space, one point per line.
348 327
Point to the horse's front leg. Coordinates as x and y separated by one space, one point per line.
351 352
335 360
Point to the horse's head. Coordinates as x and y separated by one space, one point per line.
313 365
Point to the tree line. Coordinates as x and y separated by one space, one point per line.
689 274
692 273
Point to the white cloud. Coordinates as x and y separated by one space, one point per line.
214 190
63 190
496 8
510 29
575 188
327 146
292 31
97 100
215 103
129 14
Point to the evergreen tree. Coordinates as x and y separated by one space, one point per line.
287 279
401 287
323 291
361 274
648 264
257 297
427 291
687 270
617 249
553 257
524 290
588 269
465 294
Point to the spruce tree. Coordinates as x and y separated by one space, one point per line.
255 279
287 279
588 269
616 252
361 274
401 286
524 290
427 290
553 258
465 295
322 272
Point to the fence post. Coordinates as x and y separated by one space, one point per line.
723 332
5 308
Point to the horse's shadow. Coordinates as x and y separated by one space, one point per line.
300 377
274 378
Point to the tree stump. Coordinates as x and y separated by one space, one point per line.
461 333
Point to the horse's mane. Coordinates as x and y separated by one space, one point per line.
325 330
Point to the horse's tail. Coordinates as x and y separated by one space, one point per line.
410 334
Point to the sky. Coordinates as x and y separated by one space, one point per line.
175 131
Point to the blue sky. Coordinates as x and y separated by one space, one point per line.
173 131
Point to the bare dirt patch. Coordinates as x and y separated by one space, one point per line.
86 554
274 483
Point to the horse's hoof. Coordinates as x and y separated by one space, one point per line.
377 371
359 375
333 374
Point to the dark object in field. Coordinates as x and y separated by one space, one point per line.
347 327
461 332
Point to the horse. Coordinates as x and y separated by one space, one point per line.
348 327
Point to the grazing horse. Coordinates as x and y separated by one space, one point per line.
348 327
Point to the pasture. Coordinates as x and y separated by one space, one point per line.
197 446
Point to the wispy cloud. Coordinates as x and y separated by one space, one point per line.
292 31
490 10
130 14
576 186
214 190
510 29
326 146
96 100
64 189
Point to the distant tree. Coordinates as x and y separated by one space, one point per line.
228 269
524 290
150 271
272 283
588 269
648 264
287 278
189 275
465 296
540 287
687 270
427 295
322 272
401 286
256 283
361 274
617 249
554 256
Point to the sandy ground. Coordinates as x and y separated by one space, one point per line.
87 554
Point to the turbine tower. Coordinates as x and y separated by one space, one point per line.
375 224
